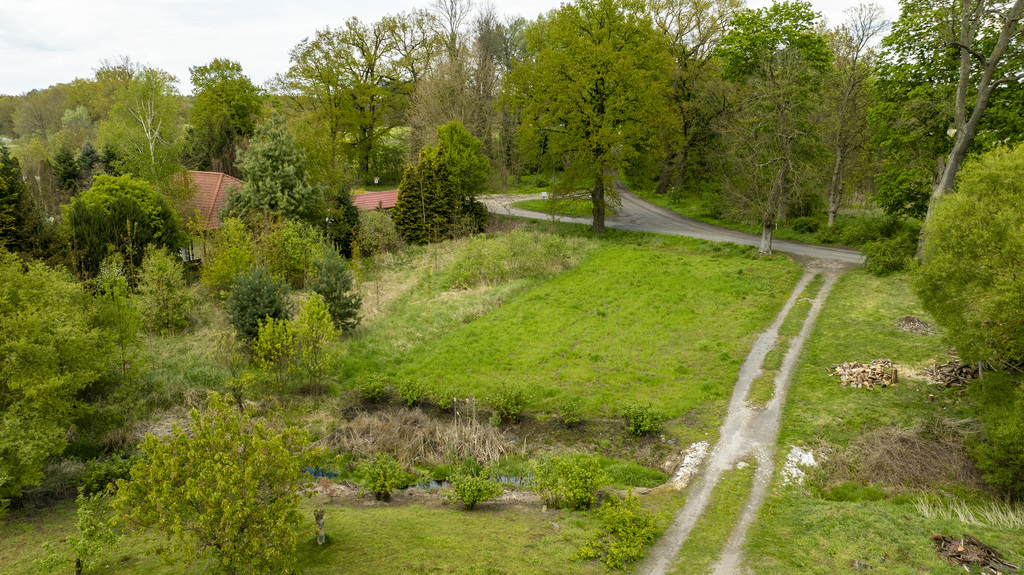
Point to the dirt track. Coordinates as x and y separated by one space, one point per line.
642 216
746 431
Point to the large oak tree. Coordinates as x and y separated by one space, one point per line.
592 92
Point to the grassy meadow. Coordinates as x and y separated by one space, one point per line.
547 308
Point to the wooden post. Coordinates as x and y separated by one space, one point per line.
318 514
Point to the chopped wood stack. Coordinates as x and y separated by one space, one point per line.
879 372
951 374
966 550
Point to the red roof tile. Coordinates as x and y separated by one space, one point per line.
374 200
211 195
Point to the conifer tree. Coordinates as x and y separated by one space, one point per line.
274 170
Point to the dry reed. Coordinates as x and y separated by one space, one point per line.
413 437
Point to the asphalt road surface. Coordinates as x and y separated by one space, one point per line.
642 216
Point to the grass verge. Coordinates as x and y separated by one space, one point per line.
576 207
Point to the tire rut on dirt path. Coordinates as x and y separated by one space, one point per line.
746 431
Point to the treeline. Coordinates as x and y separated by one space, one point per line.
766 115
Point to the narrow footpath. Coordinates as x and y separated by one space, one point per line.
746 431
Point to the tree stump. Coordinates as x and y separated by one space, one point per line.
318 514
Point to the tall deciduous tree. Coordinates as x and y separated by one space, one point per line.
49 352
779 59
275 177
986 33
145 127
226 109
227 487
593 91
850 90
348 80
693 29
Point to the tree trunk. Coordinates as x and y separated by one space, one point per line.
78 566
766 235
318 514
666 171
967 127
835 187
597 199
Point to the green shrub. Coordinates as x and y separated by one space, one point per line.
443 396
570 407
333 280
164 298
272 352
626 527
642 419
508 402
287 249
256 296
806 224
409 390
100 472
473 489
377 233
883 257
569 481
229 256
382 475
1001 457
373 388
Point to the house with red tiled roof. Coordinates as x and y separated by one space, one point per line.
202 213
211 195
375 200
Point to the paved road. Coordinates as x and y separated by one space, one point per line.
642 216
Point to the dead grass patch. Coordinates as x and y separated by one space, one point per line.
928 455
414 437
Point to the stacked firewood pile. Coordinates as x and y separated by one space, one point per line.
879 372
951 374
965 550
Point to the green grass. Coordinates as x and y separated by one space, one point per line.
529 184
577 208
708 537
826 527
853 227
773 360
762 389
667 319
794 321
400 537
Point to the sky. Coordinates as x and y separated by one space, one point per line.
45 42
